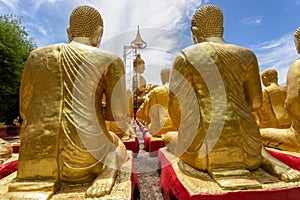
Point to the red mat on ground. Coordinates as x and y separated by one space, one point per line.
290 160
13 130
173 189
135 184
152 145
16 149
3 135
145 131
133 145
8 168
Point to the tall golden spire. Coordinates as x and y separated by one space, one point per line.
138 43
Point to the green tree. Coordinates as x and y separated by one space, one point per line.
15 46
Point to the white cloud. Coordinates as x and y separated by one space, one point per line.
257 20
12 4
52 1
278 54
159 22
46 21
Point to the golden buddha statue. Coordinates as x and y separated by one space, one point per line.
222 81
64 139
123 130
157 109
16 121
141 112
292 101
138 82
272 114
288 139
130 103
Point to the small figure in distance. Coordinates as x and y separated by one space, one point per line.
157 108
272 113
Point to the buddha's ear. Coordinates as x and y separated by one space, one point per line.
70 36
197 35
96 38
297 44
101 31
222 30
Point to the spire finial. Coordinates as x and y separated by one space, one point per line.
138 43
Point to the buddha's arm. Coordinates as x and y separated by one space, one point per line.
257 117
178 71
265 112
115 92
252 85
292 101
147 105
26 92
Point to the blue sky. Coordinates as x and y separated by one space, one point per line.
264 26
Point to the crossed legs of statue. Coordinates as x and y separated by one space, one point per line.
269 163
104 182
102 185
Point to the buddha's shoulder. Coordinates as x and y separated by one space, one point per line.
47 52
47 49
296 63
208 46
295 67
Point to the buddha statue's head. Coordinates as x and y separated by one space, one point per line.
207 22
269 76
297 39
85 22
164 75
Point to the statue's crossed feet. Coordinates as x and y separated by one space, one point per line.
103 184
290 175
99 188
278 168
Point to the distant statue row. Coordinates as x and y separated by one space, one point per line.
280 121
154 113
204 113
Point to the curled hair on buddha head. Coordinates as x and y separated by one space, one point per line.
85 21
270 75
209 21
297 33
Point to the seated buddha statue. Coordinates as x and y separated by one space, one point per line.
64 139
140 114
123 130
130 103
288 139
16 121
157 108
272 113
139 85
214 88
